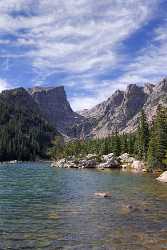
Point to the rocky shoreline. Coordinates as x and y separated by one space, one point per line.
125 162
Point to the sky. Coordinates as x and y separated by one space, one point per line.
92 47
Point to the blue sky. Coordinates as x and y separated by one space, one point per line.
92 47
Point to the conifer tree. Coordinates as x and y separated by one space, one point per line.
131 144
116 144
124 143
152 158
142 137
158 143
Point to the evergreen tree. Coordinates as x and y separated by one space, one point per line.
142 137
124 143
116 144
131 144
152 158
158 143
24 133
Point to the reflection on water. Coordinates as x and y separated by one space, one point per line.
47 208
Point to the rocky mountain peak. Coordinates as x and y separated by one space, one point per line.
133 90
161 86
55 107
53 92
148 88
116 97
134 99
122 109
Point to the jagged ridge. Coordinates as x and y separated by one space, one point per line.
122 109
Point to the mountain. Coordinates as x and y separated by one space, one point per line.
24 133
55 107
121 111
29 120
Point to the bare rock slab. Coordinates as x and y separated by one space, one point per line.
163 177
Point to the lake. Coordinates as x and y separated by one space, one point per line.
50 208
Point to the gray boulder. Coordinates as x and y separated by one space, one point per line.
71 164
109 161
163 177
138 165
108 157
126 158
59 164
87 163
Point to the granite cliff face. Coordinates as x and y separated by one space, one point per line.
55 107
121 111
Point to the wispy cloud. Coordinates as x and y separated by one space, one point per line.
82 40
151 62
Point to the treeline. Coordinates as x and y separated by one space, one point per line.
148 143
24 134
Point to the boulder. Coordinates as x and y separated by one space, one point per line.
163 177
126 158
59 163
112 163
87 163
103 194
109 161
71 164
108 157
126 209
138 165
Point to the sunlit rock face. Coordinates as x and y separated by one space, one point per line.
121 111
56 108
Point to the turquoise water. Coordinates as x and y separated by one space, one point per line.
49 208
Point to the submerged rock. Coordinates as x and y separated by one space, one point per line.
103 194
126 209
163 177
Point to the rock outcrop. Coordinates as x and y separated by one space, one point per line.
122 110
119 112
109 161
55 107
101 162
126 159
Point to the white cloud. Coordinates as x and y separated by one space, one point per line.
82 102
4 85
83 39
74 36
151 62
